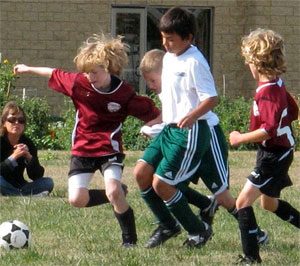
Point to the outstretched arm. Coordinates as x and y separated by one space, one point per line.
41 71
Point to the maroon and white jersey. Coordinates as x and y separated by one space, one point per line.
99 115
273 111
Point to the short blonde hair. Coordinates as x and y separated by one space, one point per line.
265 50
152 61
102 50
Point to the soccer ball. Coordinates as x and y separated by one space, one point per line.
14 234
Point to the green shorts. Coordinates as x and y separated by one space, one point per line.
214 170
176 153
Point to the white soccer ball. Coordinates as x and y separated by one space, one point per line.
14 234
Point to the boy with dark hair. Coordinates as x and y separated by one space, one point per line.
270 126
175 155
213 168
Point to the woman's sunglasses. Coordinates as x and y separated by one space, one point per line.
13 120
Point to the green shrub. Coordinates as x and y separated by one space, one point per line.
62 130
7 79
38 118
234 114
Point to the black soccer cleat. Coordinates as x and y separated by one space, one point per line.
207 215
247 260
161 234
198 241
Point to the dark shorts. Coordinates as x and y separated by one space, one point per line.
270 174
79 165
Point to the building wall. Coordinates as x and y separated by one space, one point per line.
48 33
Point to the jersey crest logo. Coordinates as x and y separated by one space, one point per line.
113 107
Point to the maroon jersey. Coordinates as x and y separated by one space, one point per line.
273 111
99 115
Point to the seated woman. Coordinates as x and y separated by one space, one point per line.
17 154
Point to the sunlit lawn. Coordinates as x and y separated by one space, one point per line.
64 235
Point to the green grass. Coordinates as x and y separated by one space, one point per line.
64 235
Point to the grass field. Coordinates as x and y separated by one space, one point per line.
64 235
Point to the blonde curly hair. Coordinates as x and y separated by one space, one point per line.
265 50
102 50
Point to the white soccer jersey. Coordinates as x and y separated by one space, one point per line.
186 81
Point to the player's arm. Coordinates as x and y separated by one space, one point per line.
205 106
155 121
236 138
41 71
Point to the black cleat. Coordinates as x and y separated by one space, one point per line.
161 234
246 260
198 241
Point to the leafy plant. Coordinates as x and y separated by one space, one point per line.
7 79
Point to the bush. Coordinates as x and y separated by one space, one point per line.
7 79
234 114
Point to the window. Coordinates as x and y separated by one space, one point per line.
140 28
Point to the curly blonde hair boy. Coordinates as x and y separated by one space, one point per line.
102 50
265 49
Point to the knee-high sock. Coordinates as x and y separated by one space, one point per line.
158 208
248 228
196 198
180 208
127 223
288 213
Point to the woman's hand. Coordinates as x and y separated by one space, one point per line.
21 150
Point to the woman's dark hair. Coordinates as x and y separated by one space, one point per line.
180 21
10 108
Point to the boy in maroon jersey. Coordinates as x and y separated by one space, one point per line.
270 126
102 102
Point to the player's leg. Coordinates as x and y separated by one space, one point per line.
281 161
214 172
183 150
80 174
175 201
167 225
78 192
123 212
247 223
143 173
282 209
195 198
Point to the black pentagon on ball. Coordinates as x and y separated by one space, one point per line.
7 238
